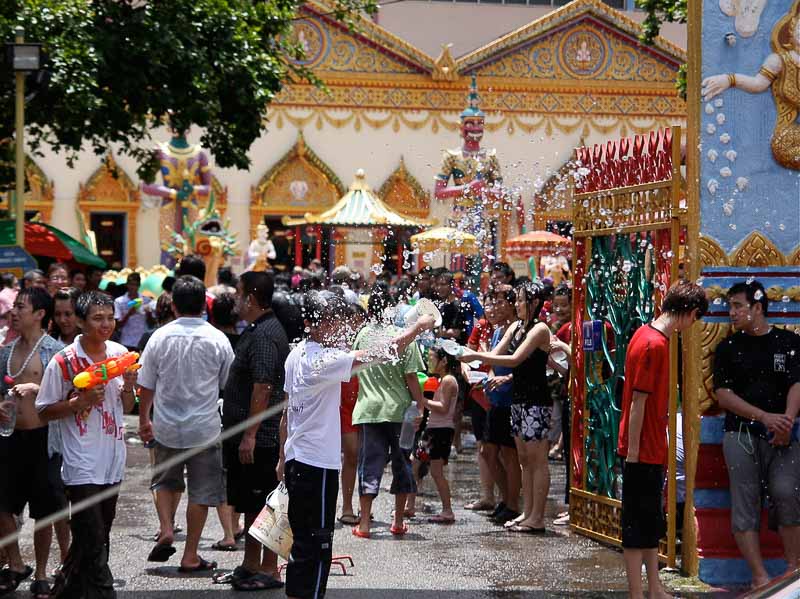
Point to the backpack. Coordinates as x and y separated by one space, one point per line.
70 363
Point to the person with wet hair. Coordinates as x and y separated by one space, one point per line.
525 349
643 433
311 433
757 382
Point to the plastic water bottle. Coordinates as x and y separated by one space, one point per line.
407 431
9 408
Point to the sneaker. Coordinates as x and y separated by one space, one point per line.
501 507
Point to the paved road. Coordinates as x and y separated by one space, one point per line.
471 559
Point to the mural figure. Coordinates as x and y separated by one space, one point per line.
186 178
583 54
747 14
261 250
781 72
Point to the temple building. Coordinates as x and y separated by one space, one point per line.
561 77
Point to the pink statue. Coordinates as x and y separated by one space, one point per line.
187 179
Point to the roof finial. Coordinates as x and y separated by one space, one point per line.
473 110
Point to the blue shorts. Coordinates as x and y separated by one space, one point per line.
380 444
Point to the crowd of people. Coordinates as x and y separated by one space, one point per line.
308 380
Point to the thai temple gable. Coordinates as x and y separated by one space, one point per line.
332 49
402 192
565 26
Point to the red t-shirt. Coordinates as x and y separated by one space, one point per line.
647 371
481 335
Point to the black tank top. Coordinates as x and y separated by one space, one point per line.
530 381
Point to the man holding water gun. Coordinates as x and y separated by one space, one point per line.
90 422
132 313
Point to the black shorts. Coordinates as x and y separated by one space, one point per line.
312 514
439 441
477 416
26 475
643 522
249 484
498 427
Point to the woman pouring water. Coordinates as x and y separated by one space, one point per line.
525 348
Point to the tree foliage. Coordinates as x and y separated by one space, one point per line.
114 67
658 12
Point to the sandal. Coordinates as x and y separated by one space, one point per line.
399 532
239 535
10 580
528 530
258 582
220 546
439 519
161 553
203 566
238 573
349 519
359 534
479 506
40 589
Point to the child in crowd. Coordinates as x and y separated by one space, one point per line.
438 436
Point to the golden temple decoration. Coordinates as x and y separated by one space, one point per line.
757 250
794 258
403 193
299 182
110 189
445 66
40 194
711 254
574 11
553 202
710 335
220 195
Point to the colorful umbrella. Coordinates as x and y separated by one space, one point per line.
537 243
47 241
446 239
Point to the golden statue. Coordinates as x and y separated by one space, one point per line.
781 72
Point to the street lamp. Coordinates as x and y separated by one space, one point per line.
24 58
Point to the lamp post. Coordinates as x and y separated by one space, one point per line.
24 58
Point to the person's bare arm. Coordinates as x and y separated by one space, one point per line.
282 434
635 423
145 405
75 404
537 338
777 423
128 391
363 358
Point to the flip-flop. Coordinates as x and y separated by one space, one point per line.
359 534
399 532
257 582
349 519
528 530
439 519
514 522
479 506
240 535
220 546
10 580
161 553
238 573
40 589
203 566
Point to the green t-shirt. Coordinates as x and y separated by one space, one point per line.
382 392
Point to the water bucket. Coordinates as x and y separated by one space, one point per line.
271 528
423 306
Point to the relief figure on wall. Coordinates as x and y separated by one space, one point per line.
781 72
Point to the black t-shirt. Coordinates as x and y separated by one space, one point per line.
760 369
454 316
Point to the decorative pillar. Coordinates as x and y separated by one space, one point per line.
746 210
319 242
298 246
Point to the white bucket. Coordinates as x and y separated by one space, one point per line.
271 528
423 306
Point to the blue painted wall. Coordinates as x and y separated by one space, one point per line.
771 202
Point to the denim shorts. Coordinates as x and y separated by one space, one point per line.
380 443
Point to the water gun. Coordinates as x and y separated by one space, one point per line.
135 303
102 372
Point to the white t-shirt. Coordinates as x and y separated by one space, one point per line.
136 325
186 363
314 377
93 449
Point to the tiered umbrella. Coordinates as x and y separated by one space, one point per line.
446 239
538 243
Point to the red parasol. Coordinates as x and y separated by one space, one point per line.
536 243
